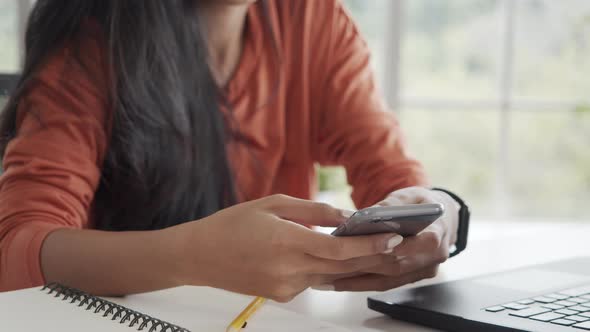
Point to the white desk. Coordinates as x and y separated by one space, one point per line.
493 247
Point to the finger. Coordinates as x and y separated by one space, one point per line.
391 200
328 279
374 282
413 195
305 212
428 241
393 267
348 266
342 248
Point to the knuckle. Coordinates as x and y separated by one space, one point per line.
443 255
285 292
282 299
281 291
433 240
384 286
432 272
280 197
275 199
441 259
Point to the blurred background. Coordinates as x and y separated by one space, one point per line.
494 98
493 95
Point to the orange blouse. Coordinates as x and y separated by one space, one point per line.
316 102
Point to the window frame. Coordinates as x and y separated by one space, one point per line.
23 10
504 103
8 80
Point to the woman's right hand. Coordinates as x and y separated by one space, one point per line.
262 248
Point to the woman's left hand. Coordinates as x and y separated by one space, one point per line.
417 257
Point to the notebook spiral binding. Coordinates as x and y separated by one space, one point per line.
117 312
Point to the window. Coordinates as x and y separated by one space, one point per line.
12 18
9 52
493 96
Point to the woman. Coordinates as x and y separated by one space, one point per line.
139 125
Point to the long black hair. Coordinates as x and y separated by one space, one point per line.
166 162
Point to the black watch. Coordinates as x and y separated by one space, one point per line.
463 228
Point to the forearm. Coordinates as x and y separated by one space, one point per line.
110 263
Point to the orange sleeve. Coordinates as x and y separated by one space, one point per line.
52 167
353 126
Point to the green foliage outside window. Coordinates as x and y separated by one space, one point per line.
332 179
582 109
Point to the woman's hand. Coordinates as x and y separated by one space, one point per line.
262 248
417 257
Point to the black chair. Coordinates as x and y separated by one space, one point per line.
7 83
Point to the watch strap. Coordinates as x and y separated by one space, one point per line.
463 227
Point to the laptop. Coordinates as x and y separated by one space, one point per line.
551 297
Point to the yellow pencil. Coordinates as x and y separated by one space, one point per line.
243 317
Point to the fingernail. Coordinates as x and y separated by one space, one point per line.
326 287
392 243
346 213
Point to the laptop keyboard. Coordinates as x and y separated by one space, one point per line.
570 307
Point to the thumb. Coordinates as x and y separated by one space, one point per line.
306 212
411 195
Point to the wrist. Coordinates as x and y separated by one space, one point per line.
171 253
450 203
451 216
464 215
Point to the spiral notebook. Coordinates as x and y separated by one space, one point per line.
58 308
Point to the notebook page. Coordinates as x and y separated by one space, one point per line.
194 308
33 310
208 309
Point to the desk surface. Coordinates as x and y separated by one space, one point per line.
493 247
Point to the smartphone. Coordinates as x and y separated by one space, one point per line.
405 220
